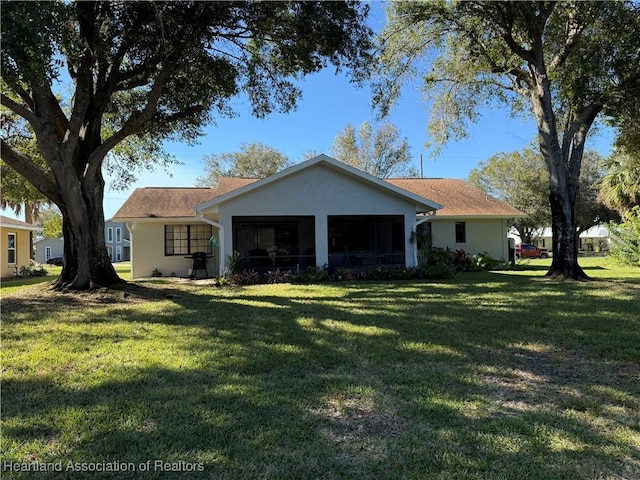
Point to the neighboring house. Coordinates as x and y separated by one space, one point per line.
117 239
47 248
319 212
14 245
595 239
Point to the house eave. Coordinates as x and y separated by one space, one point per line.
475 217
156 219
11 226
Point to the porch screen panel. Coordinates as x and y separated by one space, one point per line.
275 242
365 240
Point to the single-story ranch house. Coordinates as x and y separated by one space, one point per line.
321 212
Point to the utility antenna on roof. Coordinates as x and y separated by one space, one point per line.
421 172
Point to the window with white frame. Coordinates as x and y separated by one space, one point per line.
110 235
47 253
110 251
118 235
118 254
11 248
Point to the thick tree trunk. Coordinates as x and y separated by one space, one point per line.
563 177
564 264
86 260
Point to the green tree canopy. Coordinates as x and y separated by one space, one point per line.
621 185
590 210
254 160
626 238
138 73
557 61
17 193
520 179
51 222
381 153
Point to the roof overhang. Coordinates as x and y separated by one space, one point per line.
156 219
31 228
475 217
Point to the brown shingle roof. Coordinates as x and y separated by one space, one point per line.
164 202
8 221
458 197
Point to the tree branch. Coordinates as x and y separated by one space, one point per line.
20 110
137 120
84 84
577 136
45 100
34 173
18 90
575 30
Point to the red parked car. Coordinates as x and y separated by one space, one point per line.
526 250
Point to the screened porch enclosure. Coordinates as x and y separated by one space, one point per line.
266 243
360 241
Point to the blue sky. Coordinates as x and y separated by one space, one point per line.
329 102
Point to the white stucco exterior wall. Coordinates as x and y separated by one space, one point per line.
317 191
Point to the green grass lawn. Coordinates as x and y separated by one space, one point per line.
487 376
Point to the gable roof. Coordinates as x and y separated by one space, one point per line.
8 222
452 197
151 202
423 204
460 199
171 202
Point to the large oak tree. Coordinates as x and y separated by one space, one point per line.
137 73
559 61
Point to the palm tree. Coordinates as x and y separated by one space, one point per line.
621 185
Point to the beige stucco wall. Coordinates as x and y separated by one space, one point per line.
318 191
483 235
147 250
22 251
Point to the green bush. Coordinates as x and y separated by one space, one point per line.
311 275
245 277
625 248
438 271
278 276
484 262
33 271
390 273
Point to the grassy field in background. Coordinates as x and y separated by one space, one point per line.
499 375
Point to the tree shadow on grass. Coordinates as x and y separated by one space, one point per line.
402 380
